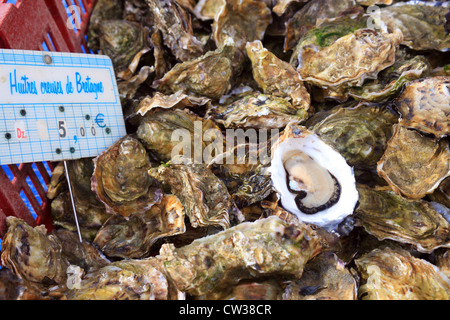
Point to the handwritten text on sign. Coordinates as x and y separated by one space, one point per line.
57 106
56 85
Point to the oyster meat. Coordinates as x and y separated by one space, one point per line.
314 181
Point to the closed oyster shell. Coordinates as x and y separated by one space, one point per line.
422 24
33 255
360 133
208 76
121 40
123 280
204 197
120 178
265 247
163 132
350 60
394 274
391 80
176 29
311 14
277 77
424 105
244 21
414 164
325 277
256 110
134 237
387 215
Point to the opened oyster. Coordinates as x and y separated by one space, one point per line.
314 181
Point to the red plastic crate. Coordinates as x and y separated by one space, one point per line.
53 25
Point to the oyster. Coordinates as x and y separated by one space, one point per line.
207 9
314 181
120 179
277 77
121 40
33 256
387 215
256 110
247 290
360 133
350 60
393 274
91 213
311 14
175 25
422 24
391 80
205 197
424 105
414 164
208 75
262 248
123 280
134 237
324 277
244 21
173 132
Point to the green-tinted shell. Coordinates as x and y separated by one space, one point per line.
387 215
394 274
121 40
359 133
208 76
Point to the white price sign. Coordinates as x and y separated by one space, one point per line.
57 106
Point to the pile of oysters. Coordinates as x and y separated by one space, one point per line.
275 149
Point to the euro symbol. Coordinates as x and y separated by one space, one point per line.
100 120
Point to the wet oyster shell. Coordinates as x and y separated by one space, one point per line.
120 179
134 237
242 20
344 195
350 60
33 255
422 24
414 164
121 40
123 280
360 133
394 274
325 277
176 29
251 249
256 110
208 75
424 105
205 197
311 14
277 77
172 132
387 215
391 80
